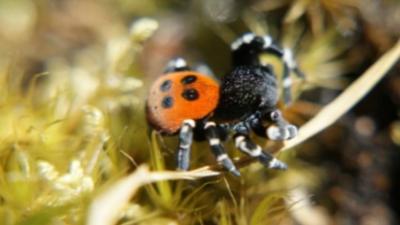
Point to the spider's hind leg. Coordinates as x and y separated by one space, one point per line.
180 64
204 69
246 145
175 65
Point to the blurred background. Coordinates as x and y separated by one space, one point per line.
73 80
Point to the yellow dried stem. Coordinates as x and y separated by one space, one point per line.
344 102
105 208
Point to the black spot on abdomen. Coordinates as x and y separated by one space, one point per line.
166 85
188 79
167 102
190 94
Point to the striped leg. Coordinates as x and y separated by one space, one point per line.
185 143
289 65
176 64
218 149
247 48
204 69
246 145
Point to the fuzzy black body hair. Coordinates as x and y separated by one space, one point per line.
244 91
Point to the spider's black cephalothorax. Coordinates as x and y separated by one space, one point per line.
245 90
248 95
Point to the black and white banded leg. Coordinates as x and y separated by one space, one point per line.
176 64
247 48
246 145
217 148
185 144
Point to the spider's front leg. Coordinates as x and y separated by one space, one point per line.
246 145
217 148
247 49
185 144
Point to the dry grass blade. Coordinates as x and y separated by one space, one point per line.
343 103
106 207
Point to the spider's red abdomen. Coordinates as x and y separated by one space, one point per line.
177 96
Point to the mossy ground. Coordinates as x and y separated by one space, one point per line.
73 80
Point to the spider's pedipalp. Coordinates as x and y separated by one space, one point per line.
284 132
218 149
280 129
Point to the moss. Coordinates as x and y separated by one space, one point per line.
73 81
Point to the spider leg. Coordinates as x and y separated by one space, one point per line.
217 148
175 65
289 65
246 145
247 48
204 69
185 144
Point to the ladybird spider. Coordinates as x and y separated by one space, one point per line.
195 106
